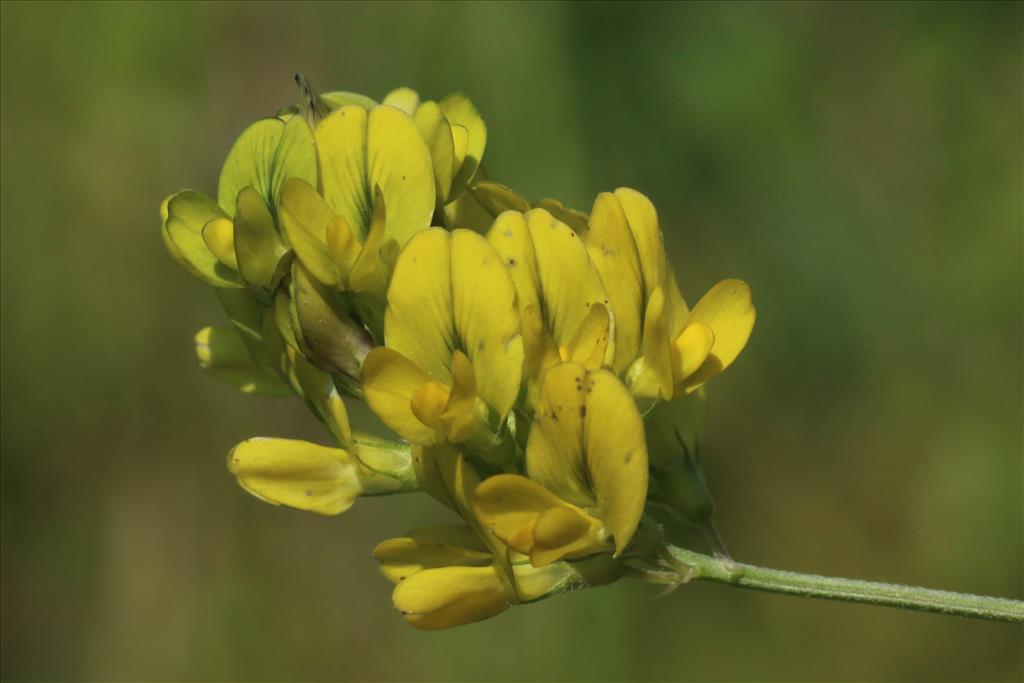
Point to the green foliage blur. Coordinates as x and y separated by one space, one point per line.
859 164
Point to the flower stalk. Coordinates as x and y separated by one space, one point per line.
696 566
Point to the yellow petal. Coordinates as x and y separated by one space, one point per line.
510 237
430 548
219 235
188 212
360 151
265 155
305 218
690 349
552 274
587 446
728 310
591 346
342 151
459 110
651 375
616 455
496 198
296 473
428 404
390 380
370 271
437 133
405 99
399 164
257 246
460 145
441 598
613 252
533 521
575 219
568 279
554 451
418 320
643 223
342 245
463 418
486 319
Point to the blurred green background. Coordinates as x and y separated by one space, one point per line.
859 164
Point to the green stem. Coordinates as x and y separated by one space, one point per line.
722 570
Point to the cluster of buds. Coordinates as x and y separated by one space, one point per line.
535 362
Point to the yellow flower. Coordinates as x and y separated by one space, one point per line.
663 348
453 575
318 478
587 464
560 294
454 353
454 133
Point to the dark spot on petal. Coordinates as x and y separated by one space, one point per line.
629 457
583 411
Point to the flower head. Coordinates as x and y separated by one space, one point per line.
535 362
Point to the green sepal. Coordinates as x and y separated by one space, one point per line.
246 315
333 341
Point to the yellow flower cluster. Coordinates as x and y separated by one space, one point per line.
516 348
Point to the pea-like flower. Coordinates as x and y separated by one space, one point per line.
586 460
452 361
